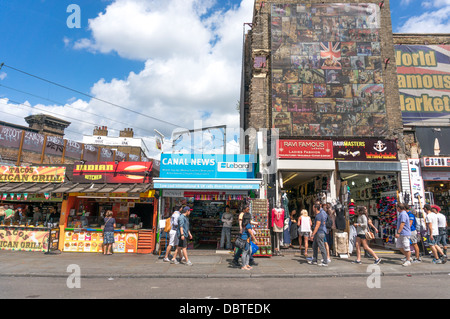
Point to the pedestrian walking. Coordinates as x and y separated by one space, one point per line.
403 233
442 227
237 255
184 234
227 220
248 235
414 235
370 226
318 236
361 240
173 238
433 233
108 233
304 230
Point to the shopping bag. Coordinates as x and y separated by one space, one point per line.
255 247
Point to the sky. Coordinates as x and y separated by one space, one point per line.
169 65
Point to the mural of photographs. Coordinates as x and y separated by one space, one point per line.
326 70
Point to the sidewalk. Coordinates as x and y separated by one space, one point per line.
206 264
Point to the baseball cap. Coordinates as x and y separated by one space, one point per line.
186 208
437 207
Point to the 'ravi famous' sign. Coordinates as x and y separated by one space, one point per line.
424 82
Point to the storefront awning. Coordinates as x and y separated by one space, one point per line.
68 187
207 184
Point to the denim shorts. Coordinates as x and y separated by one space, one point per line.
432 242
304 234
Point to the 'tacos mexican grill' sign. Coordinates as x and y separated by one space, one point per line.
32 174
305 149
365 150
110 172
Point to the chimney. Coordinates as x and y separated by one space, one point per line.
101 131
127 132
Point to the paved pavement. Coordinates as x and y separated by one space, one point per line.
206 264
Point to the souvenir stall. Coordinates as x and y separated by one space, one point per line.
370 179
123 188
32 204
208 183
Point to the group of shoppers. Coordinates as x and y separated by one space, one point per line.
319 232
408 234
9 214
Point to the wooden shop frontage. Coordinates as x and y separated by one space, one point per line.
125 188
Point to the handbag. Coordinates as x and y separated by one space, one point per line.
369 235
240 243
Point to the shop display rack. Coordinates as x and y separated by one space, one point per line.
259 208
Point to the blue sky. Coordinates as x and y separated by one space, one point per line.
139 54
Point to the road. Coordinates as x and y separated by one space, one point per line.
390 287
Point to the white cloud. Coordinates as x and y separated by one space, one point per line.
2 75
192 70
436 21
192 61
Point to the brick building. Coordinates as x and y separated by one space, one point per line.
324 74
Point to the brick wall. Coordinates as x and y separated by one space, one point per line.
259 83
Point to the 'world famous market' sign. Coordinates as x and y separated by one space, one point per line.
424 82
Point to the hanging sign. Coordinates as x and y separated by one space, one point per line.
32 174
110 172
436 162
365 150
305 149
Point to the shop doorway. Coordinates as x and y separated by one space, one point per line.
304 187
144 215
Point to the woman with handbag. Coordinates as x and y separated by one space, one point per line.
247 235
108 233
361 239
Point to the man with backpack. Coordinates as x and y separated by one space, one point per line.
171 229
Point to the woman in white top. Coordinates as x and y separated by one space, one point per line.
304 230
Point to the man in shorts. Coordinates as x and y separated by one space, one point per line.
442 227
433 233
183 234
414 236
173 238
403 233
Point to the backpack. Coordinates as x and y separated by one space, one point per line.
329 222
168 226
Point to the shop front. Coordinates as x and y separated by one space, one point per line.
31 201
211 184
305 173
369 175
125 189
436 179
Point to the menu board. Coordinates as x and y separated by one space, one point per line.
92 241
23 238
327 70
